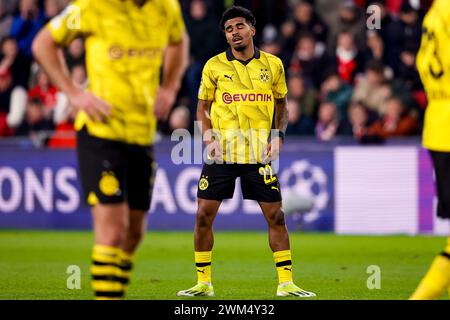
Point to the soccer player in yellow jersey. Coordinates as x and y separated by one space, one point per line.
127 42
433 62
240 92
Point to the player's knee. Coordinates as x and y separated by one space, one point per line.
112 238
114 235
276 218
204 218
135 236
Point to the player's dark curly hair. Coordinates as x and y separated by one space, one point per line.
237 12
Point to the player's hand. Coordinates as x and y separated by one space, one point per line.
165 99
273 150
96 108
214 151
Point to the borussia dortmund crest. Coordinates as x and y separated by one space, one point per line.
109 185
203 184
264 76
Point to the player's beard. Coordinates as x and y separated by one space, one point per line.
140 3
240 48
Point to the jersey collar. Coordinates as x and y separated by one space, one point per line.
231 57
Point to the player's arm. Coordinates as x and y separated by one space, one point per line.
45 50
175 63
279 89
281 116
281 122
176 60
204 121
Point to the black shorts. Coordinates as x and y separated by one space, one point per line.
258 182
115 172
441 163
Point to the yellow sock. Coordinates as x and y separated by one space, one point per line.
437 279
126 265
283 263
107 281
203 266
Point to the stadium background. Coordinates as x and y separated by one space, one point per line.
352 159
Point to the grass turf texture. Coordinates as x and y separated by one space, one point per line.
33 265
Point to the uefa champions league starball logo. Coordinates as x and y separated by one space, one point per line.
304 190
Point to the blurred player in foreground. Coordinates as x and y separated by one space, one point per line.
240 92
127 42
433 62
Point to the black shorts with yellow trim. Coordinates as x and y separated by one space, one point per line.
441 163
114 172
258 182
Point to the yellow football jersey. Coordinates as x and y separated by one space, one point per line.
433 63
243 96
124 51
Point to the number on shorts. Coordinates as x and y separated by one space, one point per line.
267 172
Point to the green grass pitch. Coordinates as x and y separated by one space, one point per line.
33 265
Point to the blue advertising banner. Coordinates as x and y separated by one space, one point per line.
40 189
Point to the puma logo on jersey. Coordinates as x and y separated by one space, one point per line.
276 188
201 271
228 77
288 269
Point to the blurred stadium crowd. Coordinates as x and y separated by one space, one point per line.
343 79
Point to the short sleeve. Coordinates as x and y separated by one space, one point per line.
71 23
279 86
207 85
176 27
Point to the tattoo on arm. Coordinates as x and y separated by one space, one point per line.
281 114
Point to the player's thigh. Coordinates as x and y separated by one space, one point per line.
260 183
217 182
140 174
102 167
441 163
